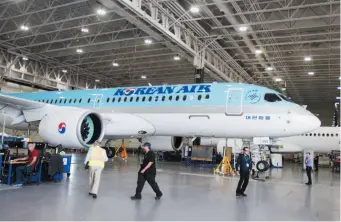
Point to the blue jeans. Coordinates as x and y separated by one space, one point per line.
20 170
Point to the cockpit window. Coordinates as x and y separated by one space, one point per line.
271 97
283 97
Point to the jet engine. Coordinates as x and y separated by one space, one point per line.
165 143
71 128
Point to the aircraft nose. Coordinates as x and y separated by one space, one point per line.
313 122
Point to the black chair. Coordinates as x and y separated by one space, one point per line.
34 176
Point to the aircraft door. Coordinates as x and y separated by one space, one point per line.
97 99
234 101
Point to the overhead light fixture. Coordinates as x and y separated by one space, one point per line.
258 51
79 50
115 64
307 58
143 77
338 97
101 11
24 58
269 68
177 58
97 80
64 71
148 41
283 89
149 84
85 30
242 28
339 88
194 9
317 114
24 27
278 79
339 78
311 73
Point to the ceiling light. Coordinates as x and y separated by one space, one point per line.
79 50
317 114
258 51
339 78
194 9
101 11
149 84
311 73
307 58
24 58
97 80
148 41
242 28
85 30
24 27
269 68
278 80
115 64
339 88
64 71
283 89
143 77
338 97
177 58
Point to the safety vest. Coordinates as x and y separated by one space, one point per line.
97 156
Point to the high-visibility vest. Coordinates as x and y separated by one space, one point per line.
97 156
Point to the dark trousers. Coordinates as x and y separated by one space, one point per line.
308 169
150 177
19 172
243 182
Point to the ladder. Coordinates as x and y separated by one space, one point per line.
224 168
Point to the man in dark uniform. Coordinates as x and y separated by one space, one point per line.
244 162
147 172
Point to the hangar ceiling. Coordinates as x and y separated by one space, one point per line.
289 45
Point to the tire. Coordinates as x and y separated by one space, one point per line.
110 152
262 166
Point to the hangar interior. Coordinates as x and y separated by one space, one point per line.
292 47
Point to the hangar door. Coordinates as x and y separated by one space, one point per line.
234 101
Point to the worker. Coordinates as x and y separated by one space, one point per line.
147 172
316 162
95 159
244 161
31 160
308 167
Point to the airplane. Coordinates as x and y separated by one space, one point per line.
77 118
321 140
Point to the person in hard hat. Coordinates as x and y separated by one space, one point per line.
95 158
147 172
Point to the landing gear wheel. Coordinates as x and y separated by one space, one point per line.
262 166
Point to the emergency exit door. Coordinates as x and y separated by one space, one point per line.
234 101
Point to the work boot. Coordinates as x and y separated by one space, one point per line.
135 197
237 194
308 184
243 194
158 197
94 196
90 194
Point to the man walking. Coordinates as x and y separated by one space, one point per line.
308 167
244 162
147 172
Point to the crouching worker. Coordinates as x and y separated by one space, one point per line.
95 159
147 172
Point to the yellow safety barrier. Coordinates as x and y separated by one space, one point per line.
224 168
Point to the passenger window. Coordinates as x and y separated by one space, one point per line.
113 99
322 134
332 134
156 98
119 99
55 102
70 100
75 100
108 99
306 134
65 101
125 99
47 101
319 134
177 98
163 98
80 100
170 98
314 134
150 98
137 99
89 100
143 99
271 97
38 100
336 134
199 97
131 99
327 134
207 96
310 134
184 98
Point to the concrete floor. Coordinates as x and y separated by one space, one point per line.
188 194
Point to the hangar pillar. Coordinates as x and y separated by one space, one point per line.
199 75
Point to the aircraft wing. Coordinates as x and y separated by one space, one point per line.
19 103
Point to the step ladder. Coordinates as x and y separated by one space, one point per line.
224 168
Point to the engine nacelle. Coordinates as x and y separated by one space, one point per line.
165 143
71 128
